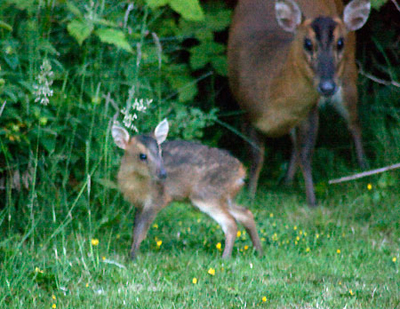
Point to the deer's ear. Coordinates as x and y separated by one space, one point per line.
356 14
288 15
120 136
161 131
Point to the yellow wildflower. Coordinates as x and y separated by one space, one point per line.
95 241
394 259
103 258
219 246
194 280
308 250
246 247
238 234
338 251
159 243
38 270
264 299
295 227
87 284
54 306
53 297
271 215
351 292
155 225
369 186
211 271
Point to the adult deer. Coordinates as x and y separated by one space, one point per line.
283 58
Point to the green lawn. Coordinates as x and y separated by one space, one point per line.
344 254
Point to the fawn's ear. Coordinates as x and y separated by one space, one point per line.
120 136
161 131
356 14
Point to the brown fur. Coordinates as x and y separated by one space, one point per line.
274 80
210 178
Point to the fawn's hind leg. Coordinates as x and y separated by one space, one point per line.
219 212
245 217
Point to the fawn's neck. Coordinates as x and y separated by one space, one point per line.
136 188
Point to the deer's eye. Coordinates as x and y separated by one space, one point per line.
340 44
308 46
142 157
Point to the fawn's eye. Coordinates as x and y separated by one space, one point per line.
142 157
308 46
340 44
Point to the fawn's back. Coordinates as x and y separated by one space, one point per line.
195 170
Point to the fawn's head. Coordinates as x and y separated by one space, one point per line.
142 152
323 41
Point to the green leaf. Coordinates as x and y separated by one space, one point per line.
219 20
186 87
48 142
104 22
156 3
5 26
28 5
204 35
202 54
180 80
79 30
114 37
198 59
220 65
188 9
46 46
376 4
74 10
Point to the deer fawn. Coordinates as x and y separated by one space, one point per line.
283 57
150 177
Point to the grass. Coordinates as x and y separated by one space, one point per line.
344 254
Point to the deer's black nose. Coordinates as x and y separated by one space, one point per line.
327 88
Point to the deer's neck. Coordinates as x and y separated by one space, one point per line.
136 188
